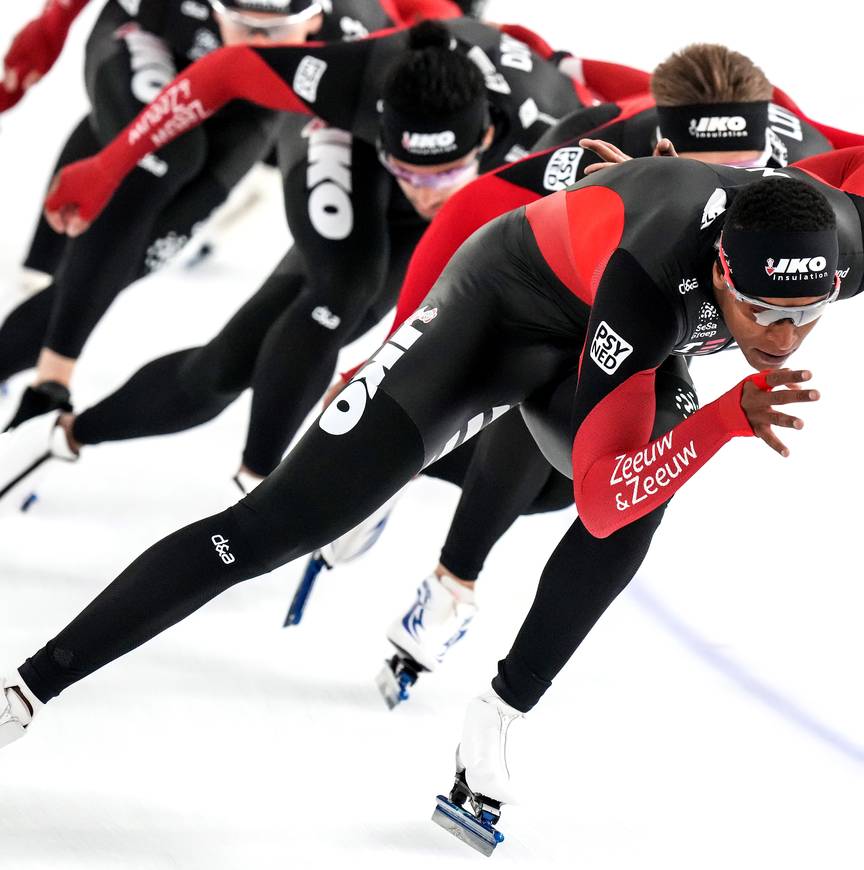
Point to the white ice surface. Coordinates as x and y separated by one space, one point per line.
713 719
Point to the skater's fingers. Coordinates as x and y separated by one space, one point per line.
786 397
665 148
775 418
76 225
596 167
606 150
782 377
31 79
55 221
768 436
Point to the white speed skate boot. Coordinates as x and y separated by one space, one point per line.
438 619
482 775
18 706
33 437
350 546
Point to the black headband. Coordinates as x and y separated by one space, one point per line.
715 126
276 7
425 141
772 263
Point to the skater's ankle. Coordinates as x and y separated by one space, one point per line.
54 368
247 480
246 471
442 571
67 423
461 590
21 698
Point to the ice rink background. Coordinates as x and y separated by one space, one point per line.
713 719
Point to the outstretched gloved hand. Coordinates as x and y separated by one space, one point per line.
35 49
77 195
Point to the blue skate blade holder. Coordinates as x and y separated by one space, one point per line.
479 835
298 604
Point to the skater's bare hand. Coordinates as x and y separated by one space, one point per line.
613 155
758 405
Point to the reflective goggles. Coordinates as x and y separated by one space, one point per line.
800 315
435 180
274 26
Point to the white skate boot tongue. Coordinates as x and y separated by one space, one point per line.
484 750
437 621
463 594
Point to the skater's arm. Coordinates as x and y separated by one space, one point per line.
36 48
465 212
322 78
81 190
619 472
592 79
610 81
838 138
844 169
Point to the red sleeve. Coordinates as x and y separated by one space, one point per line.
465 212
234 72
230 73
613 81
843 169
533 40
410 12
620 475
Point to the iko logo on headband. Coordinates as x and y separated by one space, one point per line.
796 268
718 127
426 144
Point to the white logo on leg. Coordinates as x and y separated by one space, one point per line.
222 550
608 349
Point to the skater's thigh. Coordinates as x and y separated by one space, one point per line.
228 360
471 351
336 197
238 137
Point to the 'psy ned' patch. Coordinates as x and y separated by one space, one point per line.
608 349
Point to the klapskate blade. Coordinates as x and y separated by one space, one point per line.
389 686
304 590
24 474
465 827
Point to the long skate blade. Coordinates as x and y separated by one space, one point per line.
24 474
389 687
465 827
304 589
